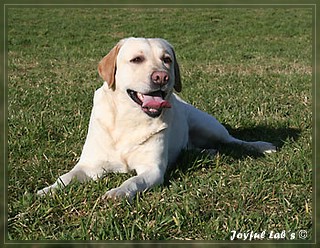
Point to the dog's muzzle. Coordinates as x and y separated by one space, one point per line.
151 103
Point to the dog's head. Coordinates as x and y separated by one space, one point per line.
145 70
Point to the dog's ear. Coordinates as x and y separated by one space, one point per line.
177 78
108 65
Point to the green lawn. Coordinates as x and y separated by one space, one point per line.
250 68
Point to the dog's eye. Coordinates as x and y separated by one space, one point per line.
167 60
137 60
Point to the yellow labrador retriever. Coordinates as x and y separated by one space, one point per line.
138 123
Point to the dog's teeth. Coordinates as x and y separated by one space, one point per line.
153 110
140 96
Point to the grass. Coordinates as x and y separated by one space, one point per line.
250 68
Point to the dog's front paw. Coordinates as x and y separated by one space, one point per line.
118 193
45 191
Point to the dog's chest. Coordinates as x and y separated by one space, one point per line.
129 146
128 135
118 135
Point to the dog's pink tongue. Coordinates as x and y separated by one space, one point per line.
155 102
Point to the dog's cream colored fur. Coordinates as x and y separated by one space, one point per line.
122 137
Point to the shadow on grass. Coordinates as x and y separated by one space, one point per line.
276 136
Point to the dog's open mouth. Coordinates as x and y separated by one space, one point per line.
152 103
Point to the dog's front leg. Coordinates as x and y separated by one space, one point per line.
139 183
79 172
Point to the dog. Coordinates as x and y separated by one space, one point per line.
139 124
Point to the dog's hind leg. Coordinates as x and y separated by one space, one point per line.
206 132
